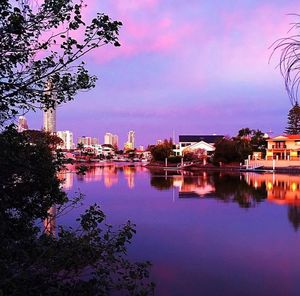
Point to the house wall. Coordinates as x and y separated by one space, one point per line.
290 144
288 151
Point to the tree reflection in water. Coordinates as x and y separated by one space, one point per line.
294 216
228 187
247 190
235 188
161 182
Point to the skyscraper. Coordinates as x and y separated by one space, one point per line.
129 145
67 137
131 138
108 138
50 114
22 124
115 141
50 120
88 141
111 139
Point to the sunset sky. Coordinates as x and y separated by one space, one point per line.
195 67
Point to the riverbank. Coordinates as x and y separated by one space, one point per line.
233 167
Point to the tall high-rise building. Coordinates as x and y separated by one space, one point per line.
115 141
131 137
50 120
67 137
87 141
108 138
50 114
95 141
129 145
111 139
22 124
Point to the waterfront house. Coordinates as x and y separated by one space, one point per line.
285 147
192 143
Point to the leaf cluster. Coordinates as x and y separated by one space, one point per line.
41 53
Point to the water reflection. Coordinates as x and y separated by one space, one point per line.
50 222
294 216
245 241
247 189
67 179
108 173
281 189
226 187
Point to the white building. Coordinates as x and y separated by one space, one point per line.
67 137
103 150
22 124
87 141
192 143
111 139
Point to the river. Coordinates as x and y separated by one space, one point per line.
205 233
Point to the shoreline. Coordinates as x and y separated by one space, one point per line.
226 168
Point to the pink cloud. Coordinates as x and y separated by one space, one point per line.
247 39
133 5
235 47
146 29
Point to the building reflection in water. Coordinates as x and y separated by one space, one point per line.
247 189
193 186
50 222
67 179
129 173
281 189
278 188
108 173
227 187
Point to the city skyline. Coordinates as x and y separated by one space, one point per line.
188 68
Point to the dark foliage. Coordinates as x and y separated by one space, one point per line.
293 124
294 216
289 61
40 55
237 149
88 260
162 151
39 44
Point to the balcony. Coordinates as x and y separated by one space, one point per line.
278 146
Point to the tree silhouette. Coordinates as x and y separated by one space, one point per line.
294 216
293 127
289 61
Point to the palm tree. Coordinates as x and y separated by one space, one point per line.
289 62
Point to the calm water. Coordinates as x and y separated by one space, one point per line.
206 234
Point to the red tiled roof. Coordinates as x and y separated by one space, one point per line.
293 136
